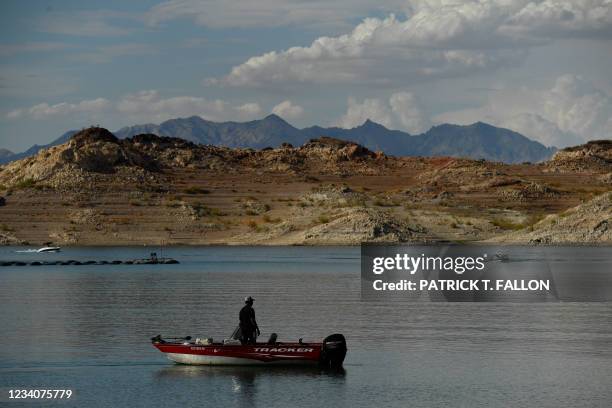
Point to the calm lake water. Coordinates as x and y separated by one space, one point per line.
87 328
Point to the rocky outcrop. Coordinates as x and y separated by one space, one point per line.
10 239
97 151
93 150
334 196
606 178
65 237
86 216
463 173
340 150
529 192
594 156
346 226
324 155
252 207
358 225
590 222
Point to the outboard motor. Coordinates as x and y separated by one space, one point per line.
333 351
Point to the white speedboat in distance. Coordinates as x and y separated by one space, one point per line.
48 249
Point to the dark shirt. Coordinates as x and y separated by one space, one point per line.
247 317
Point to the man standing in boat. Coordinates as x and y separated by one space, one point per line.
248 324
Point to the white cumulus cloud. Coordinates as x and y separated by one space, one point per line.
370 108
439 38
44 110
408 113
287 110
151 106
144 106
267 13
249 110
576 106
570 112
541 129
400 111
561 17
372 52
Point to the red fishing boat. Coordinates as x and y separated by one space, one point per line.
328 353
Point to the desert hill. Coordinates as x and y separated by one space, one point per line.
595 155
589 222
99 189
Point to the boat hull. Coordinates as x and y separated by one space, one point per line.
258 354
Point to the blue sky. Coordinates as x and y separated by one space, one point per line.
538 67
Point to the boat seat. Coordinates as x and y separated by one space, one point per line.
272 339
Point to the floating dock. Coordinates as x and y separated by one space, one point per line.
153 260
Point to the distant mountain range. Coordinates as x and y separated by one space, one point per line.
477 141
36 148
